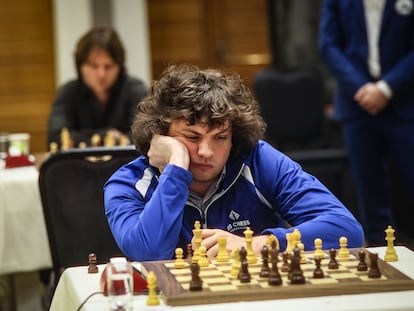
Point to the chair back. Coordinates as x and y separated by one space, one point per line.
71 189
292 104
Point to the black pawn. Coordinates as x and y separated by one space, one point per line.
362 265
264 272
318 272
285 262
274 275
333 264
189 252
244 275
196 284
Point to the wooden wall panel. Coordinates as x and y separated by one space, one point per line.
230 34
27 84
176 32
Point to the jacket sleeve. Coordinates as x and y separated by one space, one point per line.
145 215
303 202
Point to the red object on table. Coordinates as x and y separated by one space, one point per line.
17 161
140 283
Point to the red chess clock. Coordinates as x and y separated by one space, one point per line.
140 282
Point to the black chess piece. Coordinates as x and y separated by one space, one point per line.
274 275
189 252
264 272
374 271
285 262
92 268
244 275
296 273
196 284
318 272
333 264
362 265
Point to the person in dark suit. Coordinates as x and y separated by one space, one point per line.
368 46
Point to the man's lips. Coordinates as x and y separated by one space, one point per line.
202 166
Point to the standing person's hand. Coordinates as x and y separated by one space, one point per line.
371 98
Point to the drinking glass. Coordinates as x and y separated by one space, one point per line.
120 284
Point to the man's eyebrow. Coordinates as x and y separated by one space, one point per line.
189 130
224 130
192 131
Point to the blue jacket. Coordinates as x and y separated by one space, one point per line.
344 49
150 216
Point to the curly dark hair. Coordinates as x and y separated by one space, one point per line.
185 92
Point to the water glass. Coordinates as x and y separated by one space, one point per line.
120 284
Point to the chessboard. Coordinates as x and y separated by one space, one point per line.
220 286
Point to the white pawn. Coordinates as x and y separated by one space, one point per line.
203 260
179 261
343 250
318 249
301 247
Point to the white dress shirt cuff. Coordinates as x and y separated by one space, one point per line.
384 88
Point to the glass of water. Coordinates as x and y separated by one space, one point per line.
120 284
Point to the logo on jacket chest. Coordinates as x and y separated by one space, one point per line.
237 223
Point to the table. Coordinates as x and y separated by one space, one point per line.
23 238
75 285
24 246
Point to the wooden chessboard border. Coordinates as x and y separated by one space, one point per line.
174 294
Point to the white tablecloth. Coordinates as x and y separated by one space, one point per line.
76 285
24 244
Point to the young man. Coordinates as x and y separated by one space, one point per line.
103 98
199 133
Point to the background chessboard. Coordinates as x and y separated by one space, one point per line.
220 286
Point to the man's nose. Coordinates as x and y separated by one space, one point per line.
205 149
101 71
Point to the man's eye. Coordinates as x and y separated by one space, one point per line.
222 137
192 137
